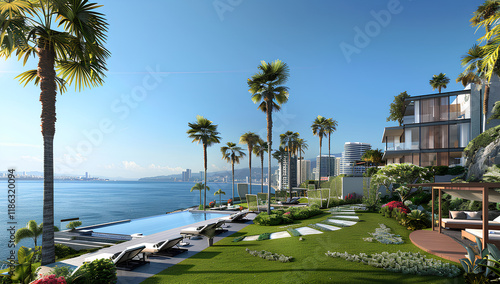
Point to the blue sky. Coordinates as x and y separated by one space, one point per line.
173 60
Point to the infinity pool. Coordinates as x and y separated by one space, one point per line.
155 224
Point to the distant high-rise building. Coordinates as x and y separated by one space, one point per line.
327 166
186 175
284 176
352 153
338 160
303 170
86 175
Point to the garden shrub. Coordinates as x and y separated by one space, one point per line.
334 202
403 262
269 255
99 271
238 239
268 220
73 225
416 220
396 204
63 251
50 279
421 198
353 198
264 236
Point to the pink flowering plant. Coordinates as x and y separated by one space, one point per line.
50 279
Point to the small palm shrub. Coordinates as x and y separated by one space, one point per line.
73 225
99 271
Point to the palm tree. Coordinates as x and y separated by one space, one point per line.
259 151
232 154
251 139
331 126
280 156
319 129
204 131
373 157
266 87
301 145
32 230
487 15
220 193
439 81
199 186
474 73
67 36
288 140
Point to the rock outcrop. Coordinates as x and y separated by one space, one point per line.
484 161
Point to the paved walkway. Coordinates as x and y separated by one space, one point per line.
160 263
438 244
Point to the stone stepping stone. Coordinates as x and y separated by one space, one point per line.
346 217
250 238
343 212
279 235
341 222
328 227
308 231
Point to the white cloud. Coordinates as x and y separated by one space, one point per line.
130 165
214 167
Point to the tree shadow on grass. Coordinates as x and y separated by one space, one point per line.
205 255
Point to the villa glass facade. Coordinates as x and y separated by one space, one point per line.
436 128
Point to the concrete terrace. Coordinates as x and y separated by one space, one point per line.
159 263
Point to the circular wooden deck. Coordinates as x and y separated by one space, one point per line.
438 244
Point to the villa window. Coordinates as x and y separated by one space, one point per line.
408 159
416 159
412 138
459 135
434 137
456 158
429 159
460 107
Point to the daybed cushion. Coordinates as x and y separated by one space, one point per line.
457 215
497 219
473 215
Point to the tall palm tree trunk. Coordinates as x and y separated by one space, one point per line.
289 171
319 164
300 165
329 134
262 173
232 170
485 103
47 76
269 116
205 164
250 168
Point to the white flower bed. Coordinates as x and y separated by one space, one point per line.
403 262
269 255
384 236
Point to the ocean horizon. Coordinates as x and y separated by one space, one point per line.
97 202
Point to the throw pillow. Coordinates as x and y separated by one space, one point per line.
458 215
473 215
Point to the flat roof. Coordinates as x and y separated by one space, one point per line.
392 131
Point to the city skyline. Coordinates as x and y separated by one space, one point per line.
135 124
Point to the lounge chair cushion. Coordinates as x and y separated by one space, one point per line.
458 215
116 255
473 215
497 219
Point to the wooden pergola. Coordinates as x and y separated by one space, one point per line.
478 191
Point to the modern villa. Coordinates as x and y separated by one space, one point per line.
437 127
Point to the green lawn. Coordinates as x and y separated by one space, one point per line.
228 262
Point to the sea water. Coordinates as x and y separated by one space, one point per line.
97 202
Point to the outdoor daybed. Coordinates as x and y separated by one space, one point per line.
127 259
207 231
471 234
166 248
462 220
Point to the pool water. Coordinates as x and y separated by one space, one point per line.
155 224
